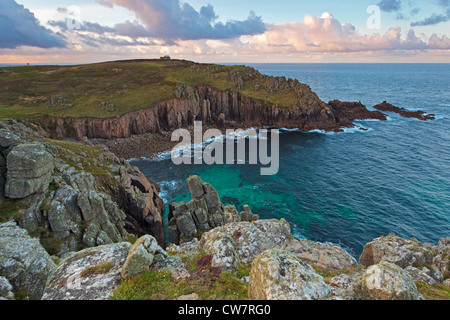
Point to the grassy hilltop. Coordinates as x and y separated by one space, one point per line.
110 89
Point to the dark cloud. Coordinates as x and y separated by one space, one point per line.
19 27
390 5
170 20
436 18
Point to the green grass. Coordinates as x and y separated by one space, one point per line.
209 283
435 292
10 209
124 86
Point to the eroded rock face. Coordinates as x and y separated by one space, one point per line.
29 170
322 255
23 260
90 274
385 281
279 275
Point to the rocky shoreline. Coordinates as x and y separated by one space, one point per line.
210 242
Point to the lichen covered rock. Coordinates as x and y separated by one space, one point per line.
385 281
90 274
23 260
141 256
29 170
222 248
322 255
397 250
279 275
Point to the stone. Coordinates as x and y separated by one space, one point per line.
397 250
6 289
76 277
29 170
385 281
8 139
322 255
247 214
279 275
141 256
341 286
173 264
222 248
420 275
253 238
23 260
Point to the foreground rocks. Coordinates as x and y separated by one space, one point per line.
279 275
385 281
90 274
24 263
74 195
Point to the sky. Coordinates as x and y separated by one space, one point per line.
231 31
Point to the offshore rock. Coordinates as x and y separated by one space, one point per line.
204 212
279 275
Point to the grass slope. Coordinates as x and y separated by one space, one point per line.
110 89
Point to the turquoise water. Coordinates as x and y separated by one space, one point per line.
348 188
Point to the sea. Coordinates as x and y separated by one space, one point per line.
351 187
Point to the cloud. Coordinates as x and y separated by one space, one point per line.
170 20
326 34
19 27
433 19
390 5
436 18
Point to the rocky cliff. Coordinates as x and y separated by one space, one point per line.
239 257
213 107
73 195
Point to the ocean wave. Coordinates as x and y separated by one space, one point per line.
356 129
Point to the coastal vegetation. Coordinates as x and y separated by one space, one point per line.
111 89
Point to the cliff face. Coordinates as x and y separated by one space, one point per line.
210 105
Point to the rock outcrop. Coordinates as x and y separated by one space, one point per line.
420 115
385 281
89 274
141 256
279 275
204 212
76 195
23 261
396 250
321 255
29 170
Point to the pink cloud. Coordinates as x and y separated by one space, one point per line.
327 34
